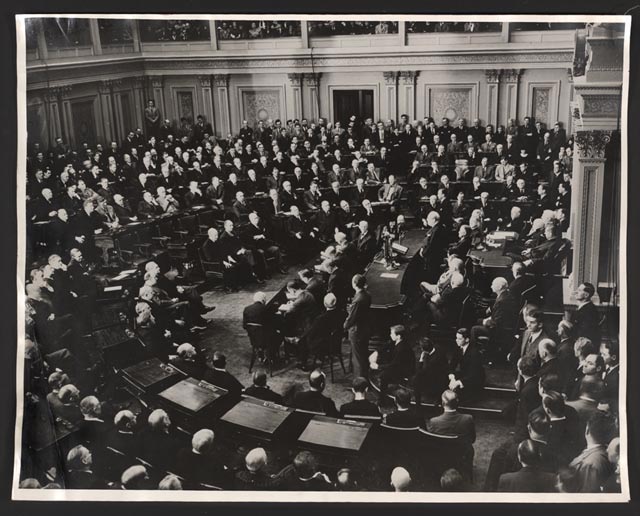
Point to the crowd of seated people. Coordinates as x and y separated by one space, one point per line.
286 193
417 27
350 28
257 29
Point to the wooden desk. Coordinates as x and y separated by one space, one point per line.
192 395
335 433
259 415
151 375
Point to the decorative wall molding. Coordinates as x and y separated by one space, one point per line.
463 100
601 106
39 76
139 82
592 144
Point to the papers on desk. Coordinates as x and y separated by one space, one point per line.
379 203
134 223
390 275
113 289
124 274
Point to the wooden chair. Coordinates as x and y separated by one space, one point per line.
210 269
259 345
332 351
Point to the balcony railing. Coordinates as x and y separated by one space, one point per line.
252 30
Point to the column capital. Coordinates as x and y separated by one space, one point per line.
107 85
295 79
221 79
62 91
390 78
157 81
493 76
592 144
312 79
570 74
139 82
512 75
205 81
408 77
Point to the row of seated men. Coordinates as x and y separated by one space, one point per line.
318 143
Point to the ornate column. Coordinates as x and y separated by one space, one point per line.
135 33
512 79
221 84
402 33
118 115
595 111
304 33
67 118
139 84
54 116
43 52
106 110
213 35
207 98
493 90
390 102
312 95
407 93
94 30
294 99
158 95
586 204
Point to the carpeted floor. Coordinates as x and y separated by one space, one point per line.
225 333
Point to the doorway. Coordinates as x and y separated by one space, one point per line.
352 102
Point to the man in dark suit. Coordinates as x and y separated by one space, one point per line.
434 248
564 434
366 245
501 320
199 463
360 406
531 478
466 371
325 331
325 222
532 336
547 257
586 318
405 416
160 443
304 475
80 472
220 377
93 427
358 323
314 284
431 371
445 308
123 436
401 362
300 239
611 375
258 239
528 395
313 399
549 362
592 465
451 422
259 389
300 311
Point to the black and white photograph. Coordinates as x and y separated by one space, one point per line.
322 258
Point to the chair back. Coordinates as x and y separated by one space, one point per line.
467 314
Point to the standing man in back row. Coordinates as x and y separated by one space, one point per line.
357 324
